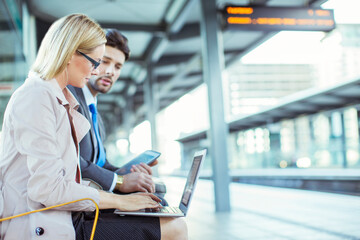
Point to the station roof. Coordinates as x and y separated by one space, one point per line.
163 32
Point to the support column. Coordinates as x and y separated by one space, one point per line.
128 118
213 64
343 141
152 107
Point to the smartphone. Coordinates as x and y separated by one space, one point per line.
148 157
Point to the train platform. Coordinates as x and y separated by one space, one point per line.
268 213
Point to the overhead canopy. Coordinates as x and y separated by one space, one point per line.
164 32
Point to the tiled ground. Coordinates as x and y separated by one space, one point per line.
262 213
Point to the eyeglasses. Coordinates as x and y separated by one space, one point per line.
93 62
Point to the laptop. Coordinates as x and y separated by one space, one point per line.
187 195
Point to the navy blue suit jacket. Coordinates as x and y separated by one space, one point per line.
104 176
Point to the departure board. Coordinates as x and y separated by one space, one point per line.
279 18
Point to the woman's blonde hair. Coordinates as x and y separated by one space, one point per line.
64 37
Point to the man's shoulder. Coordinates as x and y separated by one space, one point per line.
74 90
79 95
77 92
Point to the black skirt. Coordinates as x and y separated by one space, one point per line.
113 226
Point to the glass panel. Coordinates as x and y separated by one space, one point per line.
13 67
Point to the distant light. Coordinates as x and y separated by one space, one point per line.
283 164
352 157
303 162
140 138
122 145
323 158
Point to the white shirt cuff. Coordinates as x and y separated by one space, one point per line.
113 183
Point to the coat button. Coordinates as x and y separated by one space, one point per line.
39 231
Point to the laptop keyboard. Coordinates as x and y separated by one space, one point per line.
164 210
170 210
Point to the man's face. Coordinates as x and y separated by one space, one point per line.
109 70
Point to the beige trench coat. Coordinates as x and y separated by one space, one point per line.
38 161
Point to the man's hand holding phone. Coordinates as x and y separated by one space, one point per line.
142 167
141 163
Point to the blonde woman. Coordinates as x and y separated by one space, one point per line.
39 148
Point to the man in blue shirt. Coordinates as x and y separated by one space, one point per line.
93 162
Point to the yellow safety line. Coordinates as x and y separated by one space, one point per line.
60 205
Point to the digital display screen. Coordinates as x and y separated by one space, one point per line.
279 18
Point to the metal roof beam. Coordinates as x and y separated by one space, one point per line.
159 43
180 58
173 59
154 29
7 58
189 30
252 46
181 17
4 26
183 71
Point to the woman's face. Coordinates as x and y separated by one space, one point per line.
80 69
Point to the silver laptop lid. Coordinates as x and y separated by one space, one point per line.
191 180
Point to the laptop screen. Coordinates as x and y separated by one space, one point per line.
189 187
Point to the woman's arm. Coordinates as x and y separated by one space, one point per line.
128 202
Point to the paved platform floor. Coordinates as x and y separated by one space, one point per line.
268 213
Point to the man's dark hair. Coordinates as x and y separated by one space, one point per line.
117 40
